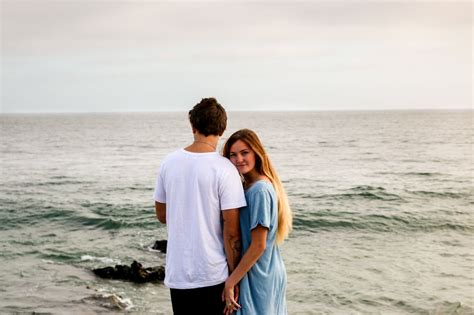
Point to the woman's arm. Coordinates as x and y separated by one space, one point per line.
253 253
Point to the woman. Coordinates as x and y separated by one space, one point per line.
265 222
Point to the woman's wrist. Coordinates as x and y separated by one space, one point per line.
230 283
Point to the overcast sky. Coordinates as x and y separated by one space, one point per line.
101 56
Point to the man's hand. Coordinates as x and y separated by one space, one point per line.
160 209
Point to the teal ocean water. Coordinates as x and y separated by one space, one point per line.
383 209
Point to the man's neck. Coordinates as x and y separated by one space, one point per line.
203 144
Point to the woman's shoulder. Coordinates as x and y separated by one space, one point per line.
261 187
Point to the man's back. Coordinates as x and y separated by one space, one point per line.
195 188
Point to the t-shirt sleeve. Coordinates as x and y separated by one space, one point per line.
160 195
260 204
231 192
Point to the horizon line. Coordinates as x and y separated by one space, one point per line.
245 111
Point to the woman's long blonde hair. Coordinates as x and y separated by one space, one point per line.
265 167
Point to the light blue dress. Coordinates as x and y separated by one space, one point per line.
263 288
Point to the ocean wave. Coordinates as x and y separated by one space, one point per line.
375 222
60 182
104 223
381 194
54 255
435 194
103 216
60 256
414 174
134 188
425 174
367 195
111 223
59 177
125 210
31 214
358 192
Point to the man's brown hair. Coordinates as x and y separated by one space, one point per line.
208 117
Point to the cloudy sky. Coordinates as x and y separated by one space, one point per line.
139 55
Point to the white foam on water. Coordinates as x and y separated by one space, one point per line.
105 260
150 249
48 261
111 301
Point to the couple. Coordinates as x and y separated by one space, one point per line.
222 254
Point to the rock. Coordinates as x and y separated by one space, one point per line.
160 245
135 273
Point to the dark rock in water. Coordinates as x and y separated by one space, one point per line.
107 272
161 246
135 273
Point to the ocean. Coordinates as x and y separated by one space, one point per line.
382 203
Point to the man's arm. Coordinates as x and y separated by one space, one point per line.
160 209
232 237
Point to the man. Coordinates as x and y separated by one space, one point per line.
198 193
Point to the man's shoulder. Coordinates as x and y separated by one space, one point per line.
173 155
225 163
215 161
221 158
170 159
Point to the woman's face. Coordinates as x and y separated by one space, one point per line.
242 157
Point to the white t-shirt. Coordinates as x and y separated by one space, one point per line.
195 188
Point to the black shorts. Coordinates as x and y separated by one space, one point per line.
206 300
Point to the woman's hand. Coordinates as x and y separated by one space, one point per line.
230 295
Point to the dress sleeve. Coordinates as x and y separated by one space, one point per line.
260 205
